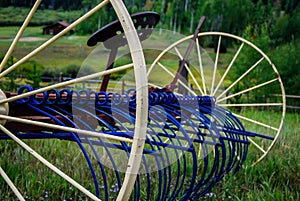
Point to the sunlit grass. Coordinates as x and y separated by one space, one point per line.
68 50
275 178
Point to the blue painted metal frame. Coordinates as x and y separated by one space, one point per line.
191 124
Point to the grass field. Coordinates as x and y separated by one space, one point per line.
275 178
69 50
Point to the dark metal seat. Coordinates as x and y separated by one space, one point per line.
113 37
144 23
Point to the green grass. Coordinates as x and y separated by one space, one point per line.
68 50
275 178
9 32
16 15
31 176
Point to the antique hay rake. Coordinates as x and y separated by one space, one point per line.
187 122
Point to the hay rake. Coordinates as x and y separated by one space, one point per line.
172 136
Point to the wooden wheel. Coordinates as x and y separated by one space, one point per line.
237 74
138 65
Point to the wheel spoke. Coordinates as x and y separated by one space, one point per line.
240 78
213 83
251 105
48 164
172 75
194 80
166 69
178 53
228 68
19 34
66 83
256 122
11 185
247 90
201 66
256 145
216 65
154 85
66 129
53 39
190 72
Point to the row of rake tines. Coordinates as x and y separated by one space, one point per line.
191 143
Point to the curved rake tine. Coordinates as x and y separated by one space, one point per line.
44 110
49 165
66 83
67 129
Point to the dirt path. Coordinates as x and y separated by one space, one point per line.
27 39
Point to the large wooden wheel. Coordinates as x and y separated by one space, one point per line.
237 74
138 65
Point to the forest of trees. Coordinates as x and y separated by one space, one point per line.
278 21
224 15
281 16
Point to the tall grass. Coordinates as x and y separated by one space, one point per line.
275 178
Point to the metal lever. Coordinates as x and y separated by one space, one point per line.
181 72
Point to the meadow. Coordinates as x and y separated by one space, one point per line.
277 177
68 50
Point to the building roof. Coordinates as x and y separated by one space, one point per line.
55 28
62 23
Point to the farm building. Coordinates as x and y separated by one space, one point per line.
55 28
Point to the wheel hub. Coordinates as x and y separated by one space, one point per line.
3 107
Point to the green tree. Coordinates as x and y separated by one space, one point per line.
10 83
247 58
286 58
34 78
